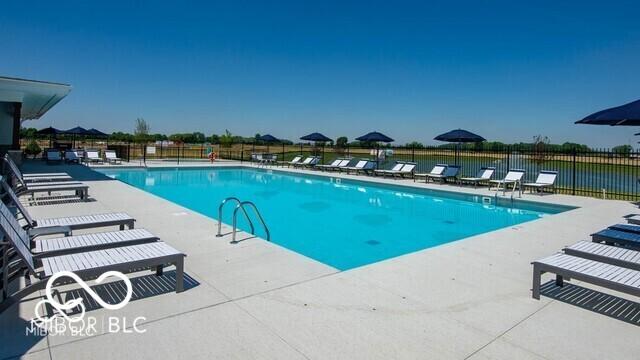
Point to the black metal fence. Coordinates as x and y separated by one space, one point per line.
596 173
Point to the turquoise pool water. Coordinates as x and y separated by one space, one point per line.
344 224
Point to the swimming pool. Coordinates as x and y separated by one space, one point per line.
341 223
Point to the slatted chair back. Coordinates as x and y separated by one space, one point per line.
486 173
7 190
408 167
17 174
16 235
514 175
438 169
547 177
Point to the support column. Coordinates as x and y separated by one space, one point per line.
17 112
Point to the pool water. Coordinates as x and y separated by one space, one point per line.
341 223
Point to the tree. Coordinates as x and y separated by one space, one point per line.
214 139
141 130
342 142
415 145
226 139
539 146
622 150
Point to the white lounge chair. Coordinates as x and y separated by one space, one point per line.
293 161
385 172
513 177
110 156
341 165
86 265
65 225
53 155
609 276
34 177
361 166
613 255
78 243
437 171
305 162
483 175
71 156
546 179
333 164
92 156
81 190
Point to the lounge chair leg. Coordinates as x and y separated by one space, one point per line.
537 274
180 275
159 270
559 281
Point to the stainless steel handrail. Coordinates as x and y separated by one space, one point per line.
255 209
234 217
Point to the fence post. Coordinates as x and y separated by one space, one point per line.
242 152
413 153
144 153
573 191
282 153
128 152
178 154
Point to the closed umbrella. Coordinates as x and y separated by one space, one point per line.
459 136
375 137
318 138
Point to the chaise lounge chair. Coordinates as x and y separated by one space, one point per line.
619 237
609 276
305 162
450 173
35 177
385 172
361 165
605 253
86 265
92 156
546 179
78 243
110 156
483 175
437 170
341 165
513 177
53 156
333 164
64 225
71 156
81 190
293 161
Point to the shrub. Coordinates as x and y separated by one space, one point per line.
32 149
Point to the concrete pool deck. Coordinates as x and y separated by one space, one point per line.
467 299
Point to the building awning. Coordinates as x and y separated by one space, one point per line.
37 97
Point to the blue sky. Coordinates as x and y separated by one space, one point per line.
504 69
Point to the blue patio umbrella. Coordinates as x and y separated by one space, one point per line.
317 137
375 137
51 131
96 133
268 138
624 115
76 131
459 136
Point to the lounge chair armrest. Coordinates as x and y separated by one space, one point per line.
49 230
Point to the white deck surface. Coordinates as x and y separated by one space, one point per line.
468 299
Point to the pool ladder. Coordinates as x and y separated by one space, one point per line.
241 206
